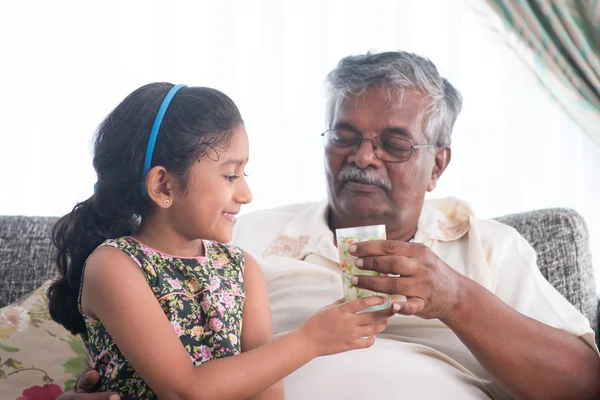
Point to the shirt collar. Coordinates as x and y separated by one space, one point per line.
308 232
444 219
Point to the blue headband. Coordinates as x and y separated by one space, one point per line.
154 133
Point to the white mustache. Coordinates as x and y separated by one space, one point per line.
367 176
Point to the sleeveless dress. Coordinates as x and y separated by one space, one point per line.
203 297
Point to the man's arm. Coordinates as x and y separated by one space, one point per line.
527 358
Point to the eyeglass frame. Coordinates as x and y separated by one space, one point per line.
372 140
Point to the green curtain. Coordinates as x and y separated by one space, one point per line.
560 41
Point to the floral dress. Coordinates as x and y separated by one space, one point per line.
203 297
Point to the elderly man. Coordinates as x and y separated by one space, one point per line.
479 320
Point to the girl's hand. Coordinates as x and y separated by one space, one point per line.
338 327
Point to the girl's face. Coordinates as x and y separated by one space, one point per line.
216 191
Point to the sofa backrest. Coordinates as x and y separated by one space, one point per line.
559 236
26 255
560 239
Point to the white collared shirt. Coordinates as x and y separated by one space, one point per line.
418 358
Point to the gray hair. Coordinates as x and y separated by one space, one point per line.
401 71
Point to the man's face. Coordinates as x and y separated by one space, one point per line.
364 190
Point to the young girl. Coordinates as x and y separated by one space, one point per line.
146 278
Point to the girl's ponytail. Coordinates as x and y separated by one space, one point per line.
76 236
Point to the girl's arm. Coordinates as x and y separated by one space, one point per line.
257 327
116 292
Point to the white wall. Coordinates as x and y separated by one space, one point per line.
66 64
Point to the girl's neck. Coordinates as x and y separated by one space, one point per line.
162 237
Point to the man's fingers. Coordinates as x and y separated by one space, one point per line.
408 287
357 305
382 248
384 284
395 265
412 306
87 381
71 395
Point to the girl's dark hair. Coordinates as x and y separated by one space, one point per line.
196 121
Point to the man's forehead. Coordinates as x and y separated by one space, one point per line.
380 108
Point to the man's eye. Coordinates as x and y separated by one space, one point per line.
343 139
231 178
395 145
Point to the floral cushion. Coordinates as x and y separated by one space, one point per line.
39 359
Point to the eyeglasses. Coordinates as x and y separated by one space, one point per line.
386 147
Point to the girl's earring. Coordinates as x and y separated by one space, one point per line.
167 202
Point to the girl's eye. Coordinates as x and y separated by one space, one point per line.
231 178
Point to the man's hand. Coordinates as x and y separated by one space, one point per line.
87 382
431 287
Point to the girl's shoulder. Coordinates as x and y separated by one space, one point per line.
222 252
126 244
134 249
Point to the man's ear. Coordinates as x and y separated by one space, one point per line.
442 159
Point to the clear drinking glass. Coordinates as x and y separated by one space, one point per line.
346 237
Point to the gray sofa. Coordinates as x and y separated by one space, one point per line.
559 237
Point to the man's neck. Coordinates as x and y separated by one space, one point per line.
396 229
